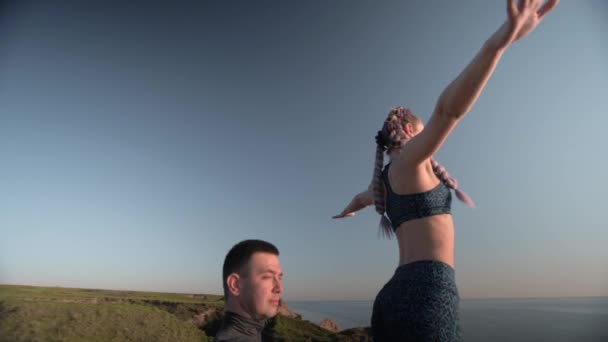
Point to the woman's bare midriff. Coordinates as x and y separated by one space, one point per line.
427 238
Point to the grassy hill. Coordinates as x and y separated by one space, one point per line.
29 313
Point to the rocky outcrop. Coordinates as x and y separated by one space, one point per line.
284 310
329 324
197 296
202 317
355 335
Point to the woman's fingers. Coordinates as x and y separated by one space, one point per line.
511 8
343 215
546 8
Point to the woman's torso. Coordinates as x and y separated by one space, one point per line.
426 238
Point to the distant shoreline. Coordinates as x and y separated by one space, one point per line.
306 300
462 299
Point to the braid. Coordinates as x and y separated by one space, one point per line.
391 136
385 228
451 183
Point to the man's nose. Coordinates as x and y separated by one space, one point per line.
278 286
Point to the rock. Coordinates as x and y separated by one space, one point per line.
201 318
197 296
329 324
284 310
355 335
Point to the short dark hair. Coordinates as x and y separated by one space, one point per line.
239 256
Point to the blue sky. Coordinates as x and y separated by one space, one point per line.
139 142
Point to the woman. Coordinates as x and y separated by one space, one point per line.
420 301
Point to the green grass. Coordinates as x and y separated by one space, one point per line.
40 293
30 313
289 329
54 321
283 328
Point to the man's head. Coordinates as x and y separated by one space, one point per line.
252 279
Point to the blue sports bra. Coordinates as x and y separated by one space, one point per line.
402 208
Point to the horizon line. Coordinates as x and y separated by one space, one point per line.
303 300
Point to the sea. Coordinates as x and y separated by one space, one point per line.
530 319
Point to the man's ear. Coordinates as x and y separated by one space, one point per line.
234 284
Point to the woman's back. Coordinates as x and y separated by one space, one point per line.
419 204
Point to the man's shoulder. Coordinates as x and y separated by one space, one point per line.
236 328
218 338
228 335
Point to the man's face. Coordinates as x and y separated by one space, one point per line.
261 286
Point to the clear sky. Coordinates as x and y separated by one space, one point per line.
139 142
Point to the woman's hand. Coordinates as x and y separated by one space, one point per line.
523 17
343 215
360 201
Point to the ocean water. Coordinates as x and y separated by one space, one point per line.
546 319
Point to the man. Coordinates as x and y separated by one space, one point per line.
252 290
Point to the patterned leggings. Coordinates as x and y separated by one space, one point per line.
419 303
